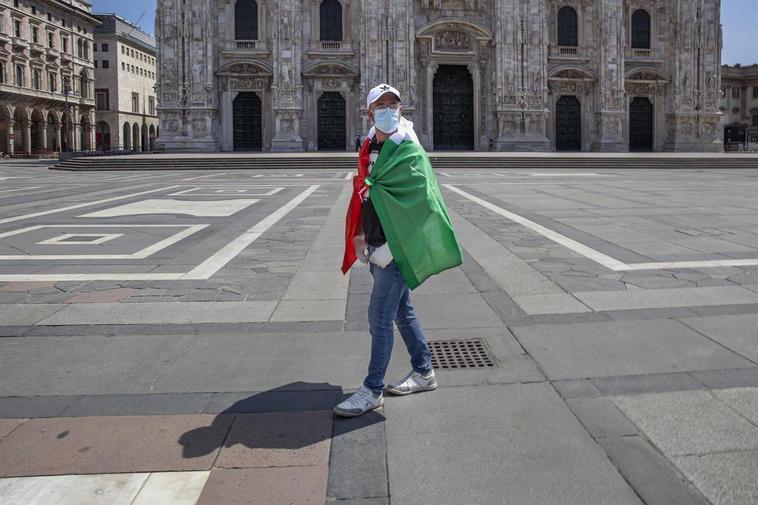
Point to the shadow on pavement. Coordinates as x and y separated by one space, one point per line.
293 416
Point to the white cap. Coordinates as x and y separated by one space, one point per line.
378 91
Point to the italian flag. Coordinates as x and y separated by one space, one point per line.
409 204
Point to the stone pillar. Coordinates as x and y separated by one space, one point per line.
693 60
43 134
521 65
58 136
287 86
26 125
11 136
610 111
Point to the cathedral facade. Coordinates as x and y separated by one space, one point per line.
479 75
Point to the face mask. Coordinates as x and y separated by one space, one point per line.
387 120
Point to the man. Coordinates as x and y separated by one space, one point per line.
397 222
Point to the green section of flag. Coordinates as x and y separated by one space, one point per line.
409 204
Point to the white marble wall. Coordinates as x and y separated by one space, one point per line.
508 46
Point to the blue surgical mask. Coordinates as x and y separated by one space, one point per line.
387 119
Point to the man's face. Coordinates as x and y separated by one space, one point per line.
386 100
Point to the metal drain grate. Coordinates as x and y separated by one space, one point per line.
456 354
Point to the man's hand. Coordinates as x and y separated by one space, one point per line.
361 248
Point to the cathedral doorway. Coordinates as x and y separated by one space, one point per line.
453 109
640 125
568 124
331 122
247 122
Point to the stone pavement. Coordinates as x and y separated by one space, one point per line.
180 338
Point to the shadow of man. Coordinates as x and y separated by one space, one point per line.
292 417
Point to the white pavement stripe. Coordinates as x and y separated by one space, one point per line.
204 176
90 277
349 176
141 254
161 313
164 488
444 173
563 240
667 297
213 264
80 205
19 189
530 289
605 260
691 264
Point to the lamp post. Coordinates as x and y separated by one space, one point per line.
66 89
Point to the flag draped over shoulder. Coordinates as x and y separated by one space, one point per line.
409 205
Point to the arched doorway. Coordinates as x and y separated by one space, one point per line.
640 125
331 122
102 136
453 109
85 134
126 141
19 142
135 137
568 124
144 138
37 130
50 131
152 137
4 124
247 122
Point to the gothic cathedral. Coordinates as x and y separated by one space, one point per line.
479 75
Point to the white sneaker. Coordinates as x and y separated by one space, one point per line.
414 382
359 403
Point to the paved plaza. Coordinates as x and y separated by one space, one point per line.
180 338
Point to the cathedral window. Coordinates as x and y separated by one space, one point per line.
641 29
330 20
567 27
246 20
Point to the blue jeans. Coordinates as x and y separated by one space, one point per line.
390 302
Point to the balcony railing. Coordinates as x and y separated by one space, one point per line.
246 44
566 51
331 45
36 48
637 53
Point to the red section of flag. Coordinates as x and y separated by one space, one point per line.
353 219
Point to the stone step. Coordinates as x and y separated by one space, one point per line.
347 161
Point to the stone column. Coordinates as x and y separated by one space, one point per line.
693 60
43 134
58 136
287 86
610 111
11 136
26 125
521 40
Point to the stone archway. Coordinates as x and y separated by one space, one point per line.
102 136
135 137
85 133
246 105
126 142
453 109
440 44
152 135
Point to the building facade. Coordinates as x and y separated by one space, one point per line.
504 75
125 69
739 105
46 69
